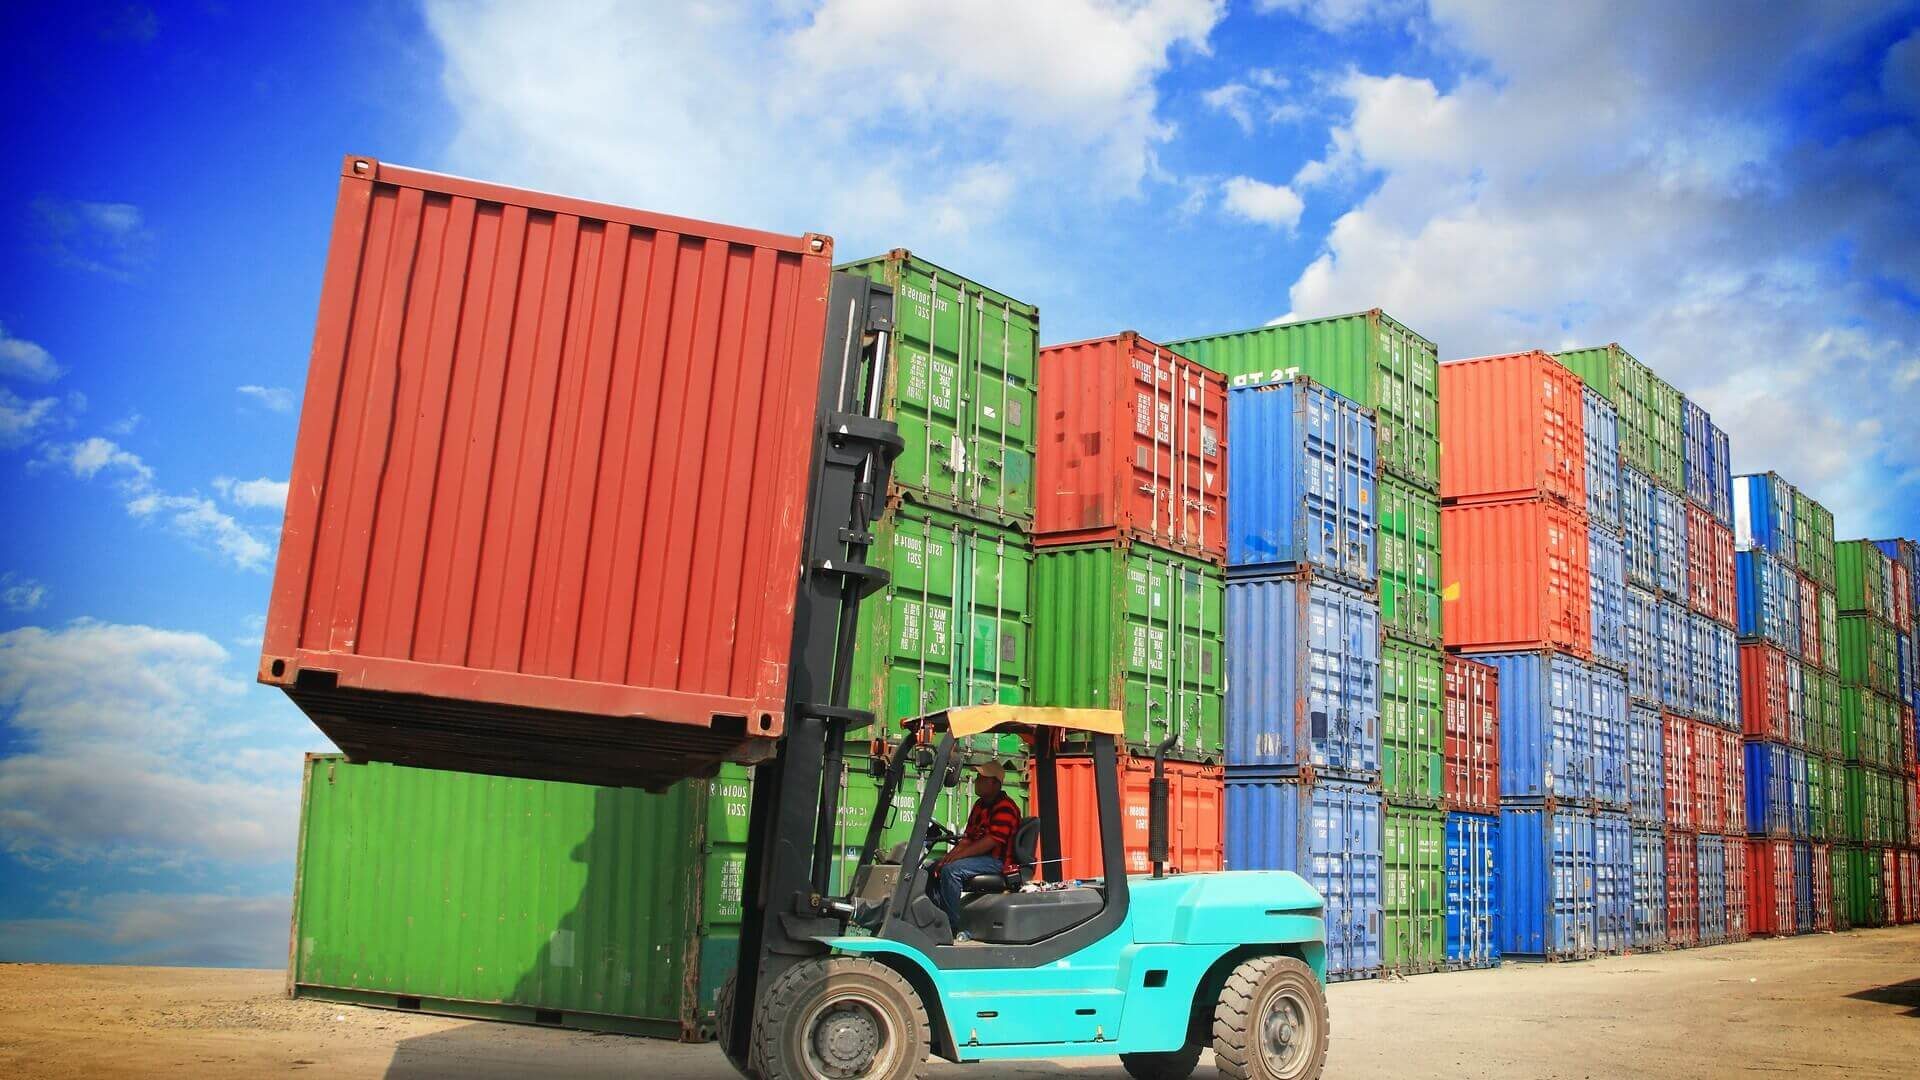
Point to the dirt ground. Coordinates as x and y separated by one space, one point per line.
1821 1005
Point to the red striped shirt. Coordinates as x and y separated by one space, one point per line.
996 816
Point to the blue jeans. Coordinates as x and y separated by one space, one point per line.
944 884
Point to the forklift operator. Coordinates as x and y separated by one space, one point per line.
985 848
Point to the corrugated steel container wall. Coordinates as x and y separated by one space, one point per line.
1868 653
1546 882
1133 442
1410 569
1615 373
1866 887
1699 560
1864 824
1726 677
1646 766
1670 633
1302 459
1514 428
1412 723
1763 691
1789 582
1909 885
1836 800
1825 737
480 527
1817 815
1710 866
1670 544
1328 833
1649 885
1770 886
1612 883
1862 575
1473 890
1195 840
1829 632
1767 807
1643 644
1546 725
1683 888
1668 423
1734 855
955 623
1516 577
961 387
1722 475
1366 356
1608 707
1797 806
1723 594
1763 514
1600 429
1636 529
1807 615
1701 696
1900 595
1697 442
1413 890
1303 676
1471 752
1676 748
1803 900
1734 777
1802 532
515 911
1763 604
1820 887
1904 552
1710 767
1863 726
1607 597
1802 702
1135 628
1840 859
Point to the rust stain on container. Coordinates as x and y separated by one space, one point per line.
547 498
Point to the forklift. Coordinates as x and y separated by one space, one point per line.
867 984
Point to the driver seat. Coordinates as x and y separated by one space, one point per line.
1026 846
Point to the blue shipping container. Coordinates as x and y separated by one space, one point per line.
1699 654
1300 469
1607 597
1763 514
1649 888
1673 641
1710 862
1546 725
1670 544
1802 887
1768 810
1603 460
1722 475
1303 676
1763 581
1636 528
1609 710
1646 765
1328 833
1473 890
1643 644
1723 672
1698 457
1799 819
1546 881
1796 684
1612 883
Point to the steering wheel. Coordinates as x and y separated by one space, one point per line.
940 834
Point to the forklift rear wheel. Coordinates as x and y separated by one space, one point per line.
1271 1022
1163 1065
841 1018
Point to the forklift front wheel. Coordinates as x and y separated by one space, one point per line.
1271 1022
841 1018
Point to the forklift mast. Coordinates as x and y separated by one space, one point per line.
790 830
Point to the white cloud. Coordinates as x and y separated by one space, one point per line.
1262 203
198 930
109 238
1900 73
1255 99
21 593
1604 175
1338 14
261 494
126 425
22 420
192 516
23 359
275 398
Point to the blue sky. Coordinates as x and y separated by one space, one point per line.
1735 197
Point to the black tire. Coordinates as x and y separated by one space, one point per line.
723 1005
840 1018
1163 1064
1271 1022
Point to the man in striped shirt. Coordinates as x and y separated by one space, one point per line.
985 848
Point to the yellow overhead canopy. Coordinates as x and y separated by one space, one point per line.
981 719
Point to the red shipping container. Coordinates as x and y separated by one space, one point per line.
1909 884
546 497
1913 798
1769 887
1738 902
1677 763
1514 427
1726 593
1809 620
1683 888
1196 799
1902 597
1700 594
1132 442
1822 887
1733 752
1763 692
1516 577
1709 777
1471 753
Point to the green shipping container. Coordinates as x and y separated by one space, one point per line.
1626 382
1816 797
1803 554
1413 890
1136 628
1840 867
1866 890
1412 723
1409 552
1860 578
1366 356
520 900
1869 653
1871 813
1668 432
1869 731
1829 629
1823 553
960 385
1836 800
953 627
1835 735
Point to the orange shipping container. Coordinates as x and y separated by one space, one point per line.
1196 799
1515 577
1512 427
1132 443
1726 594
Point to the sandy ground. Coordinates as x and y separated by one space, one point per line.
1829 1004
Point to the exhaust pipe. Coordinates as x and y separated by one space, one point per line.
1157 808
